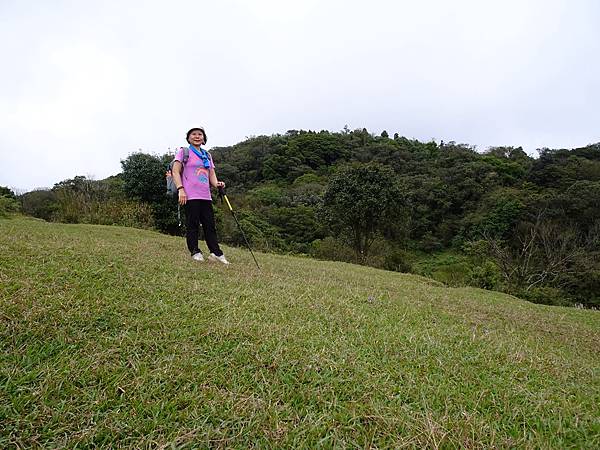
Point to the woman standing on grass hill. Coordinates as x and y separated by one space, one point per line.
193 179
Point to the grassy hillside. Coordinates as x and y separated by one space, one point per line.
114 336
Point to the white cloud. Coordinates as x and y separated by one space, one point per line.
78 84
90 82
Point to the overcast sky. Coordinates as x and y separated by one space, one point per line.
85 83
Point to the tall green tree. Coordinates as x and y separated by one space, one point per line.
144 180
144 177
360 202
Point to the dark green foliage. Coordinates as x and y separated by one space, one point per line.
428 202
332 249
277 167
7 192
485 275
144 180
544 253
361 201
307 190
164 215
450 269
582 283
8 201
398 261
509 159
261 234
500 220
581 203
430 243
547 295
298 226
497 214
562 168
503 171
450 194
144 177
8 205
267 195
39 203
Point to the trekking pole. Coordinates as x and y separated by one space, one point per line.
224 196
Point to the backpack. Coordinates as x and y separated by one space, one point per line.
171 187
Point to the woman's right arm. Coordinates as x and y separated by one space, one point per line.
177 170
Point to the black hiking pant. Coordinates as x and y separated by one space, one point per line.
201 212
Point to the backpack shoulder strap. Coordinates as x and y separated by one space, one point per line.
186 155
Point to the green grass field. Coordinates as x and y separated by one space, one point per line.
115 337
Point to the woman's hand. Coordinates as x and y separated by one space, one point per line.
220 184
182 197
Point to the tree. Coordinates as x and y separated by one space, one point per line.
541 253
144 180
581 201
562 168
8 205
7 192
144 177
8 201
40 203
361 201
497 214
297 226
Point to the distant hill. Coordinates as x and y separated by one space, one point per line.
499 219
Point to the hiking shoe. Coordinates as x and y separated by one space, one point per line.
214 258
198 256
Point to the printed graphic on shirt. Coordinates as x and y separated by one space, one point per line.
201 174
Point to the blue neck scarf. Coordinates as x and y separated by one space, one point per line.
203 155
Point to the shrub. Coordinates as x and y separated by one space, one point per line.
297 226
547 296
452 270
75 207
8 205
332 249
397 261
486 276
267 195
39 203
454 275
71 207
430 243
260 233
123 213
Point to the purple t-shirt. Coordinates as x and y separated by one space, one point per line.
195 177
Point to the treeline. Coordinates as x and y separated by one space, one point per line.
498 220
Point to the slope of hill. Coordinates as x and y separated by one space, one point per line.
114 336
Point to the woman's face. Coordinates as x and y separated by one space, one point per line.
196 138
